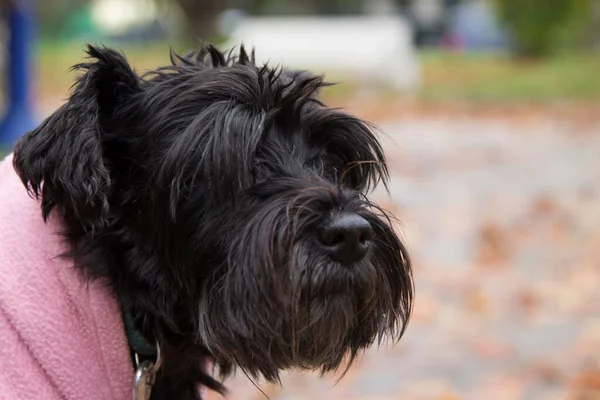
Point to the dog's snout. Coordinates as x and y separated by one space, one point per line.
346 237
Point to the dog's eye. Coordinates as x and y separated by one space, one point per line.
264 169
260 170
325 161
316 164
335 163
330 167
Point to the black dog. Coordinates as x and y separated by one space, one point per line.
225 205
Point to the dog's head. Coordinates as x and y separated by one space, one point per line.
224 200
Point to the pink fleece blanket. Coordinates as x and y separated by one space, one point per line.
60 338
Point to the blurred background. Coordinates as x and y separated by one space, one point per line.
490 114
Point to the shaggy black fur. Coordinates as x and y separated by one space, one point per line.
197 192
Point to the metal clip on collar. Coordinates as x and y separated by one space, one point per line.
145 376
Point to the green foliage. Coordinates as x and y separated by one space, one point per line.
500 79
59 17
542 27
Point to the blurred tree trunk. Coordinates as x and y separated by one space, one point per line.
201 18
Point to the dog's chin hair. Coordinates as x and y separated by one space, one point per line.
312 314
195 191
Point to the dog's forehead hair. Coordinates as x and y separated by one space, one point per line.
236 112
261 89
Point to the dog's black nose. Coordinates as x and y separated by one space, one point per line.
346 238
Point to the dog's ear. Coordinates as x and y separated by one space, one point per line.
61 161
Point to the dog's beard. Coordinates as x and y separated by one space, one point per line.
282 303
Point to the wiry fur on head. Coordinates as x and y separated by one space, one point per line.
196 190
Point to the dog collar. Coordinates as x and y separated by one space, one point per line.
138 344
141 353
